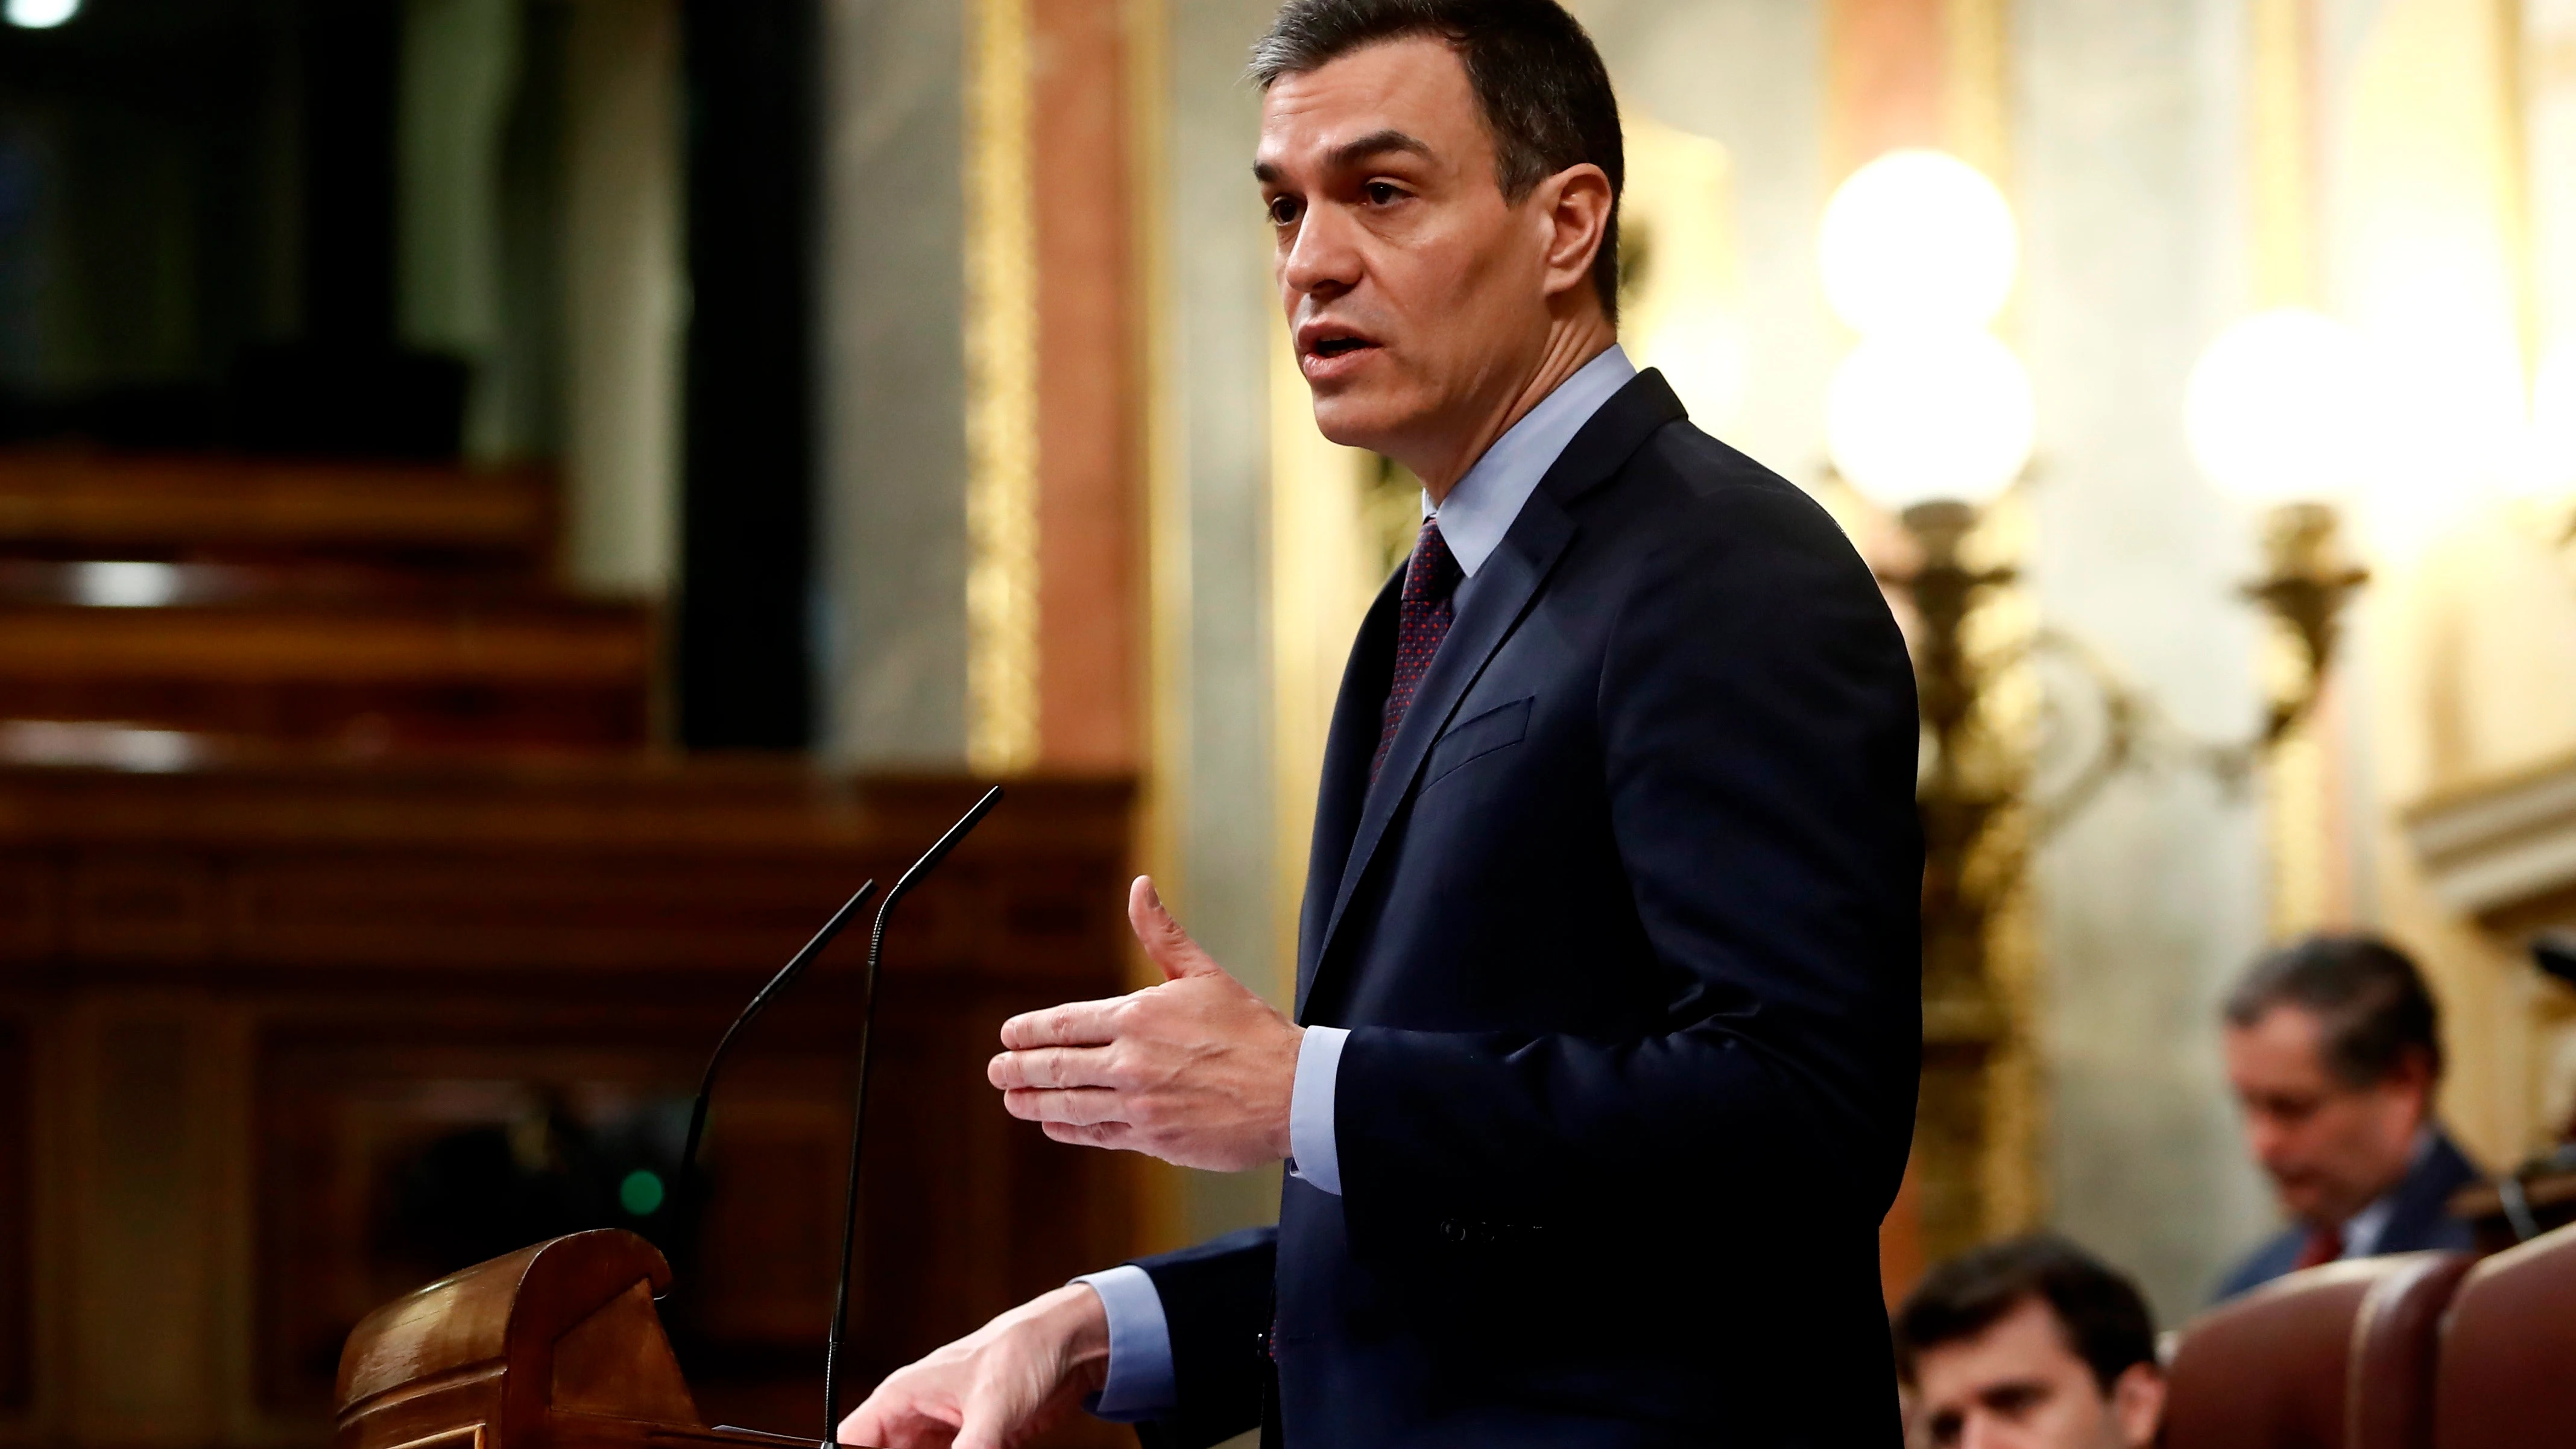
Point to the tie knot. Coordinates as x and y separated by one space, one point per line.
1433 570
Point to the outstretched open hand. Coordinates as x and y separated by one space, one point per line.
1197 1071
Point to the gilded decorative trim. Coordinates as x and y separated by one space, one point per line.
1976 97
1324 569
2280 163
1162 1195
2281 152
1167 499
1001 396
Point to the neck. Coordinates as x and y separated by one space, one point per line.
1571 342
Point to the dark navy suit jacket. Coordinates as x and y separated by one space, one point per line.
2419 1218
1626 937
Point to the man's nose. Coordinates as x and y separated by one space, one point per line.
1325 257
2265 1139
1982 1430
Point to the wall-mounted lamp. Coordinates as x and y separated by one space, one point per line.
1931 418
1917 241
2546 467
39 14
2280 414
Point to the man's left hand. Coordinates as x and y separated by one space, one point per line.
1197 1071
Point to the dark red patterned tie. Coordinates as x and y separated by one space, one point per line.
1422 615
2324 1245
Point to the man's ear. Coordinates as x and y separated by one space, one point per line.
2138 1404
2414 1074
1575 204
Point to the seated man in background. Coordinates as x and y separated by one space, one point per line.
2334 1048
2033 1344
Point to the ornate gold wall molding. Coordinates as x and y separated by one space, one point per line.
1324 567
1167 501
1976 98
1001 395
2280 158
1937 73
1162 1192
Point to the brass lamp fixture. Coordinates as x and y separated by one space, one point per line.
2278 412
2304 589
1932 420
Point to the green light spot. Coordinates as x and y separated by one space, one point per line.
641 1193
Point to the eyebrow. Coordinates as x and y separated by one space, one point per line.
1351 153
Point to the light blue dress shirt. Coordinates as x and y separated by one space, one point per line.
1473 519
2361 1232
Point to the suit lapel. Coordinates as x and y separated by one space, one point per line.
2424 1196
1504 590
1348 746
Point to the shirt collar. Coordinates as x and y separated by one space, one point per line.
2363 1230
1479 511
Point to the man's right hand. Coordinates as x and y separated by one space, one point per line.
1008 1381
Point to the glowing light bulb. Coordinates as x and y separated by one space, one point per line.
1914 417
1918 241
2548 462
2285 407
40 14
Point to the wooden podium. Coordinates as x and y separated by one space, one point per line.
551 1347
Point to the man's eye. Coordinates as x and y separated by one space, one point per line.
1381 193
1283 210
2017 1402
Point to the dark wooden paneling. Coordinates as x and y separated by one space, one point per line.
368 673
372 606
81 505
17 1217
424 966
354 1115
965 1211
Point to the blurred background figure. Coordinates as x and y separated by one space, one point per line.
2030 1343
2334 1049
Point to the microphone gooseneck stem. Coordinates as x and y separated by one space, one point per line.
681 1195
859 1108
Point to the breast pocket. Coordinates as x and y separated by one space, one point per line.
1495 729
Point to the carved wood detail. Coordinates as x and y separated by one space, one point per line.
415 974
17 1216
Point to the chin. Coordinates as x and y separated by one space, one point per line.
2305 1204
1357 418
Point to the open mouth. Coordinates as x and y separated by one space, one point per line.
1322 341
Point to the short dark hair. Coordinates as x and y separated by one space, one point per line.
2366 994
2101 1314
1539 82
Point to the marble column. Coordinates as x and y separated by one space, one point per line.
622 294
891 544
1216 336
1750 74
2131 139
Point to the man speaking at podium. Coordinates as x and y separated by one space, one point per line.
1607 1023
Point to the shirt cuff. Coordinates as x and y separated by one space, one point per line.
1140 1384
1312 1155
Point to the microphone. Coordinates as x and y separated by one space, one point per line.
929 861
795 967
